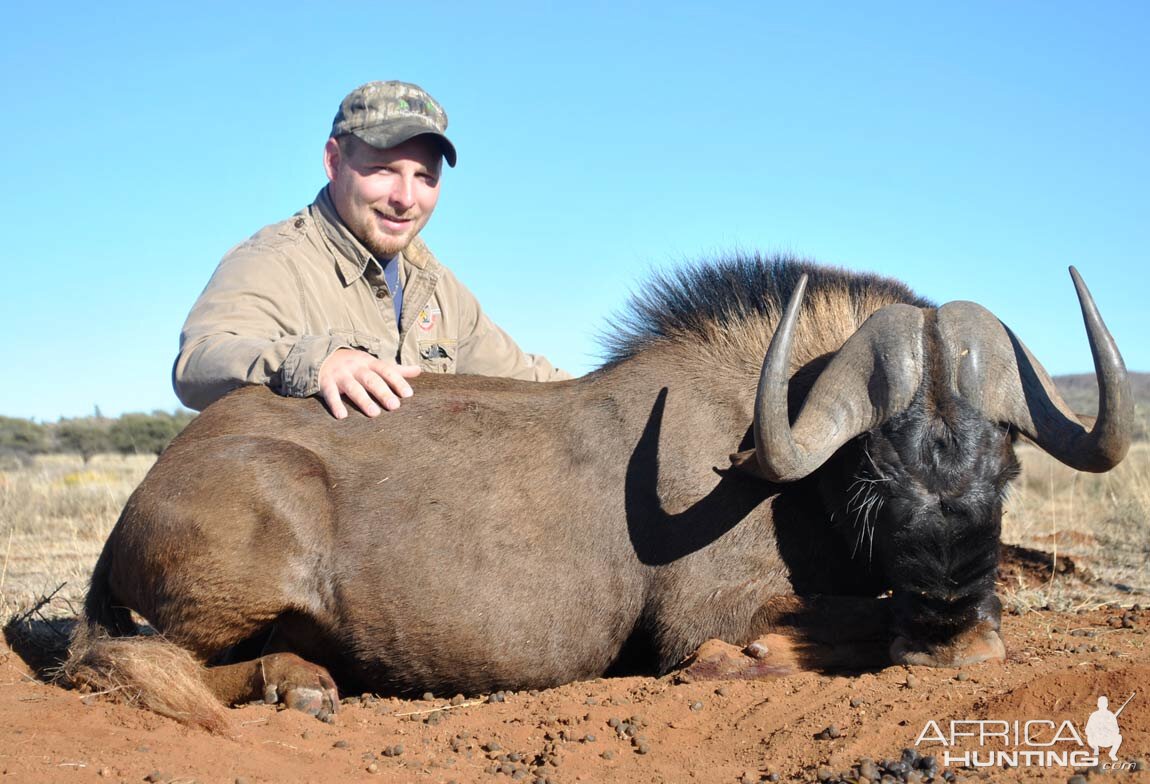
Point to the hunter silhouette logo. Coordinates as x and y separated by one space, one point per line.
1102 727
984 743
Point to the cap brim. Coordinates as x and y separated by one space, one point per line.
393 133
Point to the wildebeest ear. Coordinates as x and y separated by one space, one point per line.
746 462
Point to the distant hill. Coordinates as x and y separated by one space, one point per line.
1081 392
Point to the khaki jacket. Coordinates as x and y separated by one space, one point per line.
280 303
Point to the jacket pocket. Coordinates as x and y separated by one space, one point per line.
438 356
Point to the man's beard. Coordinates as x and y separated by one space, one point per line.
384 246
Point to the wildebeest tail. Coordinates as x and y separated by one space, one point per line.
108 655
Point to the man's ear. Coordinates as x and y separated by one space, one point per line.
331 157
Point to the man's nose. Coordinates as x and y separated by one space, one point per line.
403 194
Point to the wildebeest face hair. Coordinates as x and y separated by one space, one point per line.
925 511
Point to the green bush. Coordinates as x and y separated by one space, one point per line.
147 433
86 437
22 437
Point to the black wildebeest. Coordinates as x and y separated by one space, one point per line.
501 534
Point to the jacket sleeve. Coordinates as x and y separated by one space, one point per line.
249 327
486 350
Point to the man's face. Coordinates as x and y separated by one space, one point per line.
384 196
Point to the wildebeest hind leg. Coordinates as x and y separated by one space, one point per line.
275 678
215 566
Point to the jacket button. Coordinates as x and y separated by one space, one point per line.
380 293
299 223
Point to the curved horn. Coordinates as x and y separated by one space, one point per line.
872 377
994 371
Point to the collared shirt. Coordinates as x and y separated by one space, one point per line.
280 303
391 276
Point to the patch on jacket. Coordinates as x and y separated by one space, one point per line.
434 351
427 318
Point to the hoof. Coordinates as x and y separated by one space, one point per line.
980 644
718 660
299 685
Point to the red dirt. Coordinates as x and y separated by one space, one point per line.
737 728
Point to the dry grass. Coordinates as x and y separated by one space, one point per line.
1101 521
54 516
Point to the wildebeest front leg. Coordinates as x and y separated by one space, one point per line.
792 634
276 678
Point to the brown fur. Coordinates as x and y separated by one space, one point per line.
148 671
490 533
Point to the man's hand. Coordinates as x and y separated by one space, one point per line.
365 381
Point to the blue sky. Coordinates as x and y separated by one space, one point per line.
973 150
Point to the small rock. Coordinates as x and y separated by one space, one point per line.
588 738
824 773
428 696
696 706
642 748
458 699
721 691
491 745
242 780
607 755
590 701
962 676
1077 778
339 744
856 702
372 768
157 776
911 681
105 772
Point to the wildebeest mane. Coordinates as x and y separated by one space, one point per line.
737 301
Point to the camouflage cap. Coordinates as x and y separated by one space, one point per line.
385 114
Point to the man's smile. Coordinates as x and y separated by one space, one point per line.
393 221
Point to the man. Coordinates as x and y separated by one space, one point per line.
343 299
